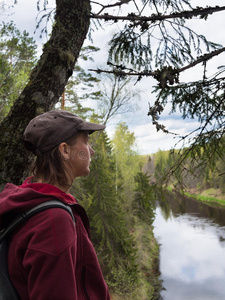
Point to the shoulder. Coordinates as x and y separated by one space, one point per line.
50 231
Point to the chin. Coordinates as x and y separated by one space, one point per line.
85 173
88 172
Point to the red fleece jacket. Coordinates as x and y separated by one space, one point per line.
49 257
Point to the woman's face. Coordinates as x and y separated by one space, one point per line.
80 156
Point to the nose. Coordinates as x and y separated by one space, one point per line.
92 152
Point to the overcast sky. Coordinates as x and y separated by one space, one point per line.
148 140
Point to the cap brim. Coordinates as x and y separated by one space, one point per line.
92 127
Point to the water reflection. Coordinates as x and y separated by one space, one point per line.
192 256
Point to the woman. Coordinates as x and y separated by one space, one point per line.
49 257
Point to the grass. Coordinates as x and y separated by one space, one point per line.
209 196
207 199
148 264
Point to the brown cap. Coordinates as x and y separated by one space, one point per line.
50 129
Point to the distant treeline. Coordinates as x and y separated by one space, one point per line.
195 174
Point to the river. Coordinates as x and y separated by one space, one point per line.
192 249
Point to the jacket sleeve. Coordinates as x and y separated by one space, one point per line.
49 261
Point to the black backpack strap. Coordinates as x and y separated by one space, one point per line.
33 211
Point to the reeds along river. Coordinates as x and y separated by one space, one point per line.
192 251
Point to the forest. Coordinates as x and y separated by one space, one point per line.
119 194
193 176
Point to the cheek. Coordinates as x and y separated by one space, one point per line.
79 155
83 155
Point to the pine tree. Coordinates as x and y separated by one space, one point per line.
81 86
17 58
112 240
143 203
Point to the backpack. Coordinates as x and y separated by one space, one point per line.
7 290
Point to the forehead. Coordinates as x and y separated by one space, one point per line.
83 135
80 136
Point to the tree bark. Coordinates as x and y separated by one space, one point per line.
45 86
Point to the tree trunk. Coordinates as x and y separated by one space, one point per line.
45 86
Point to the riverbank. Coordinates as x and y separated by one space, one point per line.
210 196
149 285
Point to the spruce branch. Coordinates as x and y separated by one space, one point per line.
187 14
202 59
164 75
118 3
